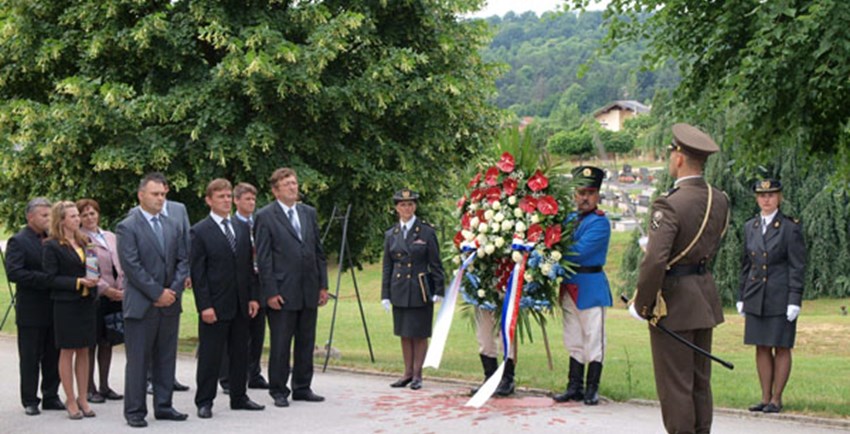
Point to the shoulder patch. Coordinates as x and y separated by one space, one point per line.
657 217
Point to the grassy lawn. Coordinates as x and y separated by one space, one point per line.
818 384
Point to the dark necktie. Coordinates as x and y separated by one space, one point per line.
294 222
157 230
231 239
404 231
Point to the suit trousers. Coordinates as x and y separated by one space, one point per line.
488 334
150 342
683 380
584 331
37 351
213 339
284 326
256 340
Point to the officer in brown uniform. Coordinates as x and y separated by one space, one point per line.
675 286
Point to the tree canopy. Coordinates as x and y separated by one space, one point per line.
361 97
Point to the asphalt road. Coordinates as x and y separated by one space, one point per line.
364 403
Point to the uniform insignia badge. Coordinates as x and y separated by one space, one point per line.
405 194
587 171
656 220
776 224
765 185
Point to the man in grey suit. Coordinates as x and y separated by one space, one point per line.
294 282
155 265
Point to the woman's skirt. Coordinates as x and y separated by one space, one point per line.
413 322
75 323
769 331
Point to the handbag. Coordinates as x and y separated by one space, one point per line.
114 323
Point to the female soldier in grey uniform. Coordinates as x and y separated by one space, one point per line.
771 291
412 282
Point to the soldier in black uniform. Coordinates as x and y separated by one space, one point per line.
412 282
771 291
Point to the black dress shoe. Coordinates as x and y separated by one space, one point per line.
416 384
246 404
95 398
225 390
758 407
112 395
258 382
205 412
170 414
179 387
52 404
281 401
402 382
31 410
137 422
772 408
308 396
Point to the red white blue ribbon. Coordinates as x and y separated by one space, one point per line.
444 318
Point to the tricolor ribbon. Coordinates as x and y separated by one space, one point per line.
444 318
510 312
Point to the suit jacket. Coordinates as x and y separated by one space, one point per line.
590 249
692 300
288 266
222 279
405 259
148 269
107 260
179 216
772 266
24 256
63 267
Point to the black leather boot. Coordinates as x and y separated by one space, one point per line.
490 365
506 386
594 371
575 387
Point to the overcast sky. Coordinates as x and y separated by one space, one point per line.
501 7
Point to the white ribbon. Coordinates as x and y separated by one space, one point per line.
444 318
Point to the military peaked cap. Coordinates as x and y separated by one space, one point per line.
691 140
589 176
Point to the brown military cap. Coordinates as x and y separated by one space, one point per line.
691 140
405 194
767 186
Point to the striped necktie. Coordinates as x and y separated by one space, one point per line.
231 239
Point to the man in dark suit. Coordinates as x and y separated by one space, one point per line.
245 200
294 281
34 311
675 285
226 296
156 265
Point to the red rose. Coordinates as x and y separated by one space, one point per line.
506 163
534 232
492 176
476 195
474 181
553 235
464 221
547 205
458 238
537 182
509 185
528 204
493 194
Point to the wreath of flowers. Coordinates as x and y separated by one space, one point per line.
505 205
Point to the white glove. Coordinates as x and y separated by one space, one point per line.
386 303
740 306
792 312
642 242
634 314
436 298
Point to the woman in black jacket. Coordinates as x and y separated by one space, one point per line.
73 297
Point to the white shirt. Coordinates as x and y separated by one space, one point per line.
405 227
148 216
218 221
766 220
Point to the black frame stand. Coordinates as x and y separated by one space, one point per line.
11 292
344 254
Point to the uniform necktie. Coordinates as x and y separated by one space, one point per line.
157 230
763 225
404 231
231 239
294 222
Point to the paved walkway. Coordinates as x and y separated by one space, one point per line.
363 403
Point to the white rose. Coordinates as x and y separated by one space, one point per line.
482 228
495 227
456 259
474 222
488 215
489 248
555 255
467 235
481 293
512 200
482 239
496 205
546 268
481 252
499 217
473 206
500 242
535 218
520 227
517 212
516 256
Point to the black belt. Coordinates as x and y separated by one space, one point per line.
686 270
587 270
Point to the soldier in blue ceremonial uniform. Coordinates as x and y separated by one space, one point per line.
412 282
586 294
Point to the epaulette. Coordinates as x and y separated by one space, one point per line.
599 212
669 192
427 224
793 219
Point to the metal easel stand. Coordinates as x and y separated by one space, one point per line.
344 253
